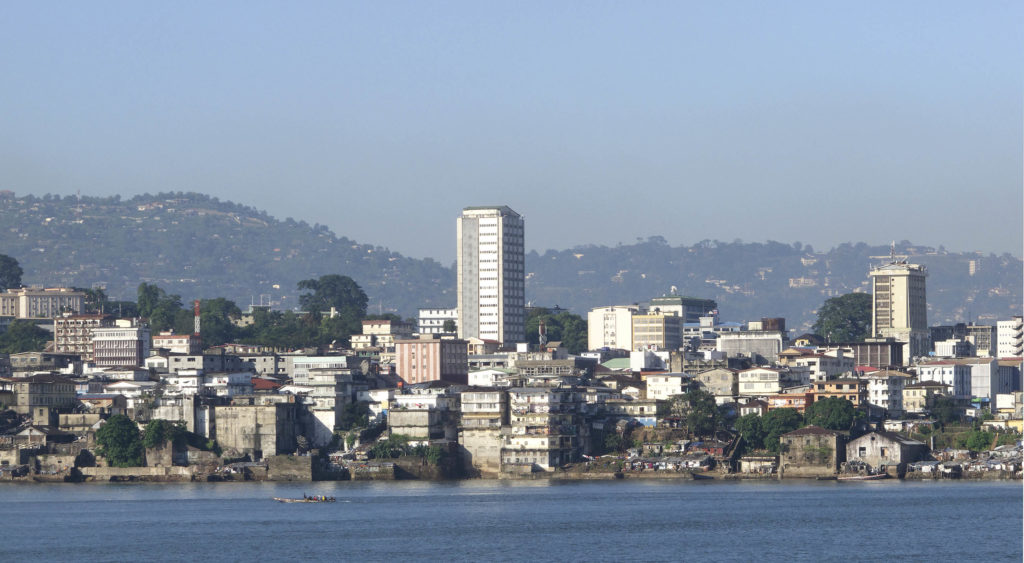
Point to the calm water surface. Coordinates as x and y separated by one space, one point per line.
538 521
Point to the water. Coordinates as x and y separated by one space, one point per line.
498 521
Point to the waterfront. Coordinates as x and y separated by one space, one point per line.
489 520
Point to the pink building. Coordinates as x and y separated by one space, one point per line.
432 359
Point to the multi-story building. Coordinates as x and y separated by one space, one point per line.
491 275
42 391
381 334
431 321
72 334
885 390
429 358
40 303
611 327
757 382
955 375
819 366
984 339
124 344
853 390
657 331
188 344
761 346
1010 338
690 309
919 398
723 383
900 307
663 386
484 413
545 429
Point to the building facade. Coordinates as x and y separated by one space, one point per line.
72 334
1010 338
432 359
431 321
611 327
125 344
40 303
900 306
491 275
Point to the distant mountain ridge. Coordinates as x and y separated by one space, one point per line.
199 247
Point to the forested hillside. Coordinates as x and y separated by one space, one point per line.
199 247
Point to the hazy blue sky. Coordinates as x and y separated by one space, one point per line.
600 122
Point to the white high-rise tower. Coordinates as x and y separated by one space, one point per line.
491 275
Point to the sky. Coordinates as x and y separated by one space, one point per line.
599 122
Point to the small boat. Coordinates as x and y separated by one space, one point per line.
875 477
306 499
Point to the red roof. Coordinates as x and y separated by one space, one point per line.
259 384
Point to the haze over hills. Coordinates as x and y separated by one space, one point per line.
199 247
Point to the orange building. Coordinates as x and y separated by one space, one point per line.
853 390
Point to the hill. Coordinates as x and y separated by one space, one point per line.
200 247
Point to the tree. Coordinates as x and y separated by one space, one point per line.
833 413
702 412
778 422
119 442
160 431
946 411
976 440
749 426
10 272
340 292
449 326
354 415
560 326
23 336
846 318
343 295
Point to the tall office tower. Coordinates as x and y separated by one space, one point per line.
899 306
491 275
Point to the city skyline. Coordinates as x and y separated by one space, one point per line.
788 124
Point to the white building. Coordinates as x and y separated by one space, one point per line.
40 303
611 327
957 376
125 344
885 390
665 385
900 307
756 382
302 366
1010 338
491 275
431 321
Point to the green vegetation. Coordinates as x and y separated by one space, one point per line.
751 429
398 445
976 440
23 336
699 411
560 325
833 413
119 441
354 415
778 422
159 432
846 318
197 246
10 272
946 411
